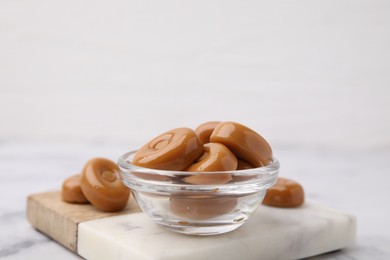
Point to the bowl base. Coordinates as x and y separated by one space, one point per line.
194 229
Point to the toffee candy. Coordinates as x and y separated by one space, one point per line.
201 206
71 191
149 176
243 165
101 184
245 143
216 157
204 131
152 177
174 150
285 194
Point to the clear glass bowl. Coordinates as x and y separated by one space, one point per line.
197 209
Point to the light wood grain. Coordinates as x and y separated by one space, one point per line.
59 220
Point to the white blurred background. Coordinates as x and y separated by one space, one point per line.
301 73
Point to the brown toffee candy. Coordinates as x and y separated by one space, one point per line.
174 150
101 184
245 143
285 194
71 191
201 206
243 165
204 131
216 157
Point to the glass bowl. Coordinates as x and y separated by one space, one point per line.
197 209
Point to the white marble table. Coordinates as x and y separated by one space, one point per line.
355 181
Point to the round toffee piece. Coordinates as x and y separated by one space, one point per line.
285 193
215 158
204 131
71 191
174 150
245 143
201 206
101 184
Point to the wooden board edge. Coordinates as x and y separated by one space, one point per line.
48 221
59 220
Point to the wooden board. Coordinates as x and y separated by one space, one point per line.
59 220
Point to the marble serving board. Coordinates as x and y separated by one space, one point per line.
271 233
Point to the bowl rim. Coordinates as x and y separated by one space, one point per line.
126 166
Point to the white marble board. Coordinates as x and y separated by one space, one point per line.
271 233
